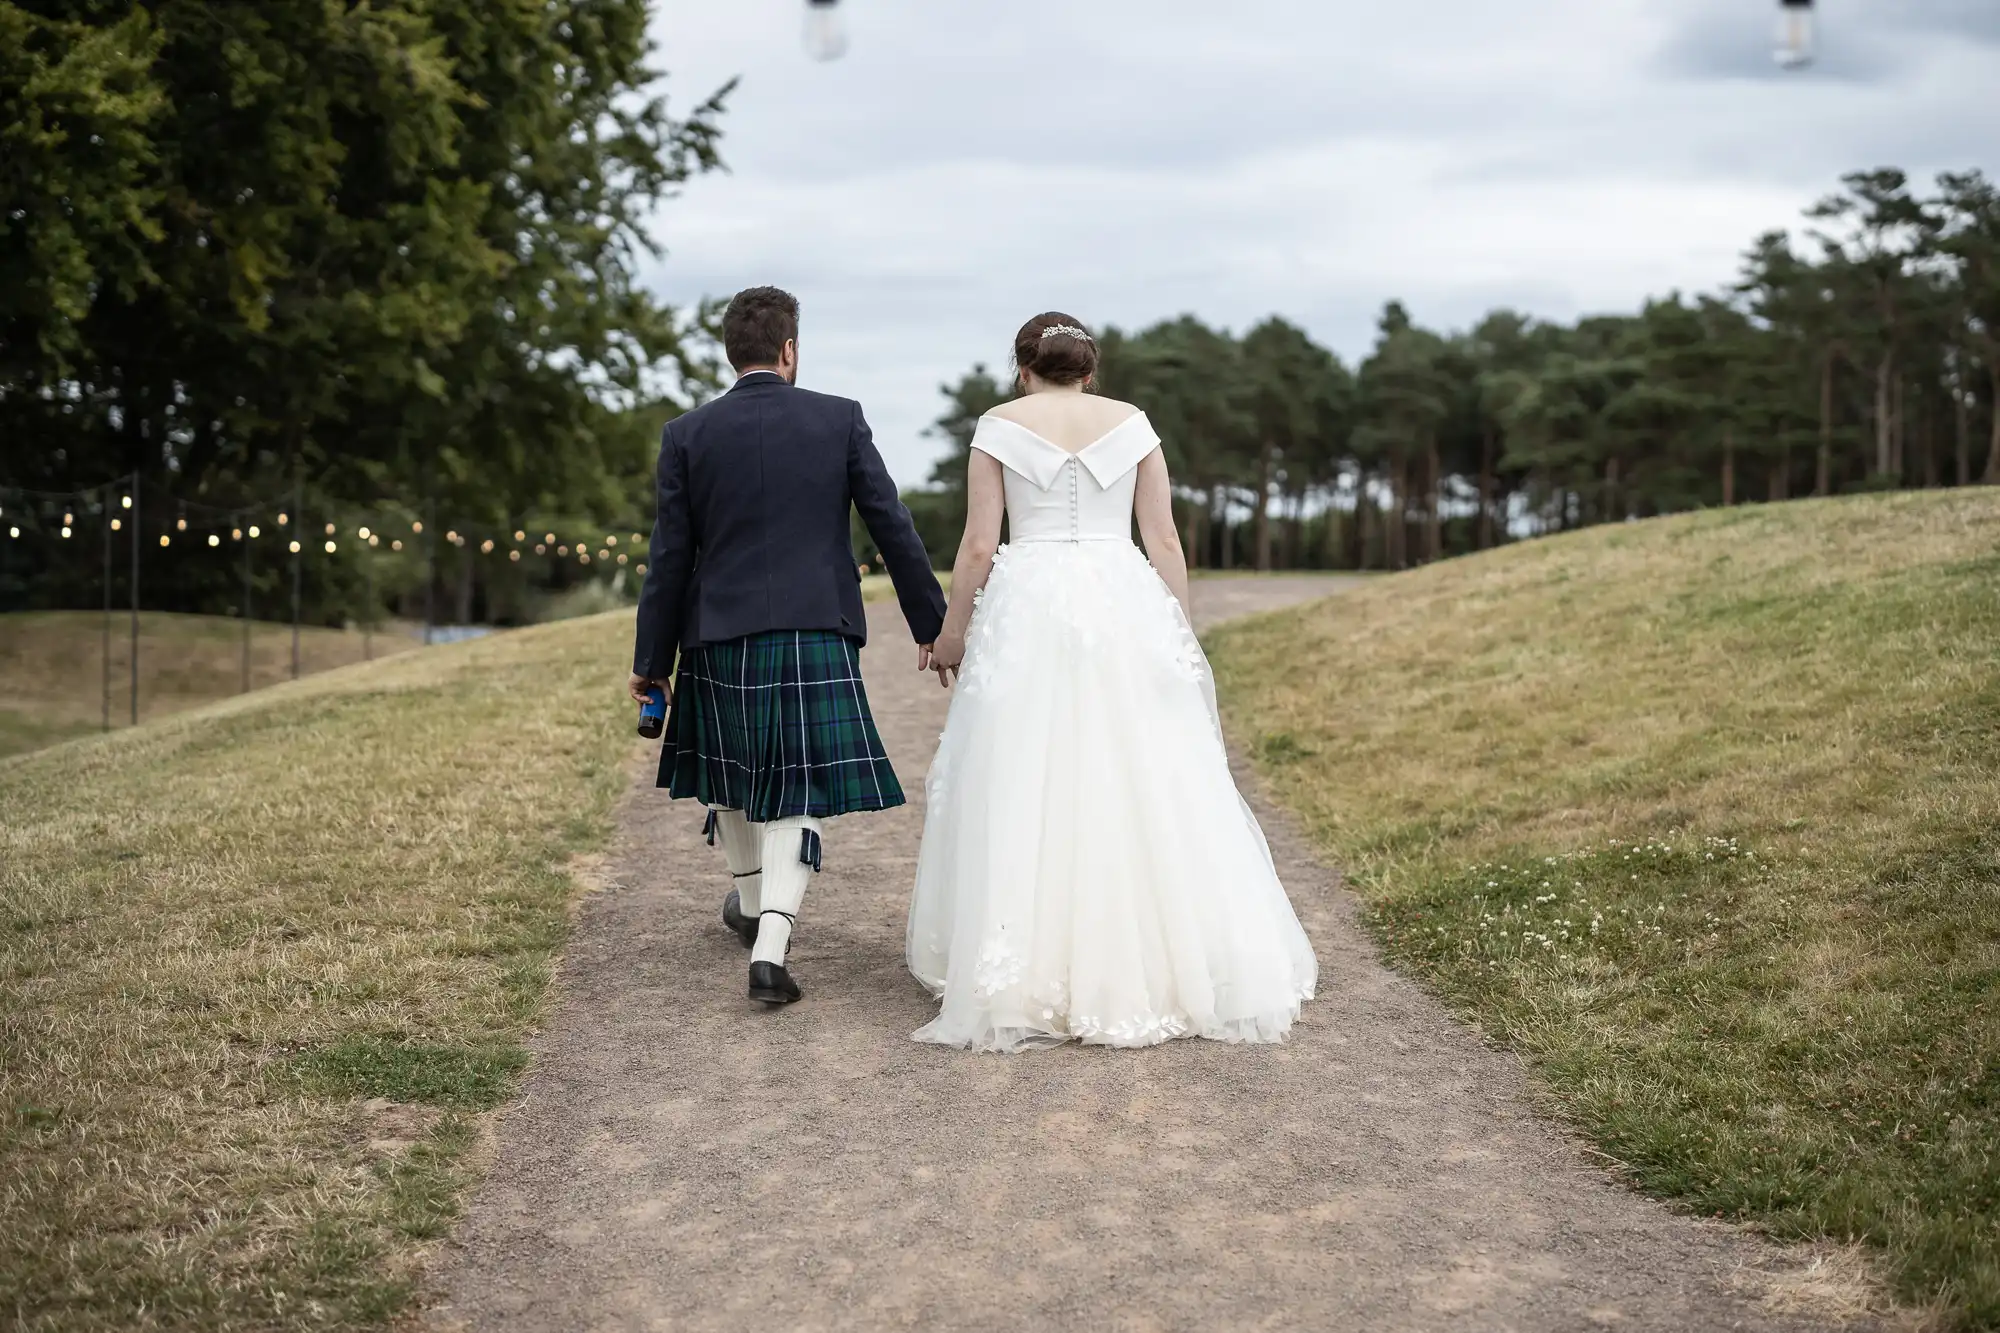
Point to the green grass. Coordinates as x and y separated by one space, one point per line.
262 966
1703 815
52 666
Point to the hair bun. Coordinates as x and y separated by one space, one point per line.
1056 348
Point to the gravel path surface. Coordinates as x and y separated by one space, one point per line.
684 1159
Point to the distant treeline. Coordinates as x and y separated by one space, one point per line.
380 257
1861 354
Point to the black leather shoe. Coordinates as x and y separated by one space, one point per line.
732 917
770 983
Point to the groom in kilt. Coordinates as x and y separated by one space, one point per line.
751 621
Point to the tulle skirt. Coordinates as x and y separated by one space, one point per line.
1089 871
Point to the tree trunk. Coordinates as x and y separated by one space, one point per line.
1262 518
1898 435
1399 515
1961 443
1485 530
1191 525
1926 447
1434 538
1882 423
1823 467
1610 501
1728 466
1781 474
465 575
1993 440
1364 525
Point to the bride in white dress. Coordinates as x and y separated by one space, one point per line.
1089 871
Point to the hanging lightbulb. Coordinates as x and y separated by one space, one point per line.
65 531
416 527
236 534
254 529
329 529
165 540
284 519
520 536
362 533
116 525
295 548
214 540
514 556
396 545
826 34
330 548
1795 34
125 501
180 525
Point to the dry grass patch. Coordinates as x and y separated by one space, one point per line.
1703 814
262 967
52 666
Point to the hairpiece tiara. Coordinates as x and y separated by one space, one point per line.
1071 329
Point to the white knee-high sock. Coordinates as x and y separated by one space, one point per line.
743 847
791 854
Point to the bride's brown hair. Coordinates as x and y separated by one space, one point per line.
1068 355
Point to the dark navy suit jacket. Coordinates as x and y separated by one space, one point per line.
752 532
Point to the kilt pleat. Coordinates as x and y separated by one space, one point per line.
776 725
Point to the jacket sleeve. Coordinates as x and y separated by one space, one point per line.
669 566
874 493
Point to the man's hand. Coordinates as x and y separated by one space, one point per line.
638 685
924 656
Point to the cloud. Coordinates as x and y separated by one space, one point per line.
970 163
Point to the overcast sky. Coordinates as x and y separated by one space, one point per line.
971 162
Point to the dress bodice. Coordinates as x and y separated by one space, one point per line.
1054 495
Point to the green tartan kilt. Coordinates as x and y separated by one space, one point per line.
776 725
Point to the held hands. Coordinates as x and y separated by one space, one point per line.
943 657
638 685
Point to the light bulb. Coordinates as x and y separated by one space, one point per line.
549 537
610 541
562 550
362 533
514 555
520 536
254 529
330 548
214 540
642 569
1795 34
65 532
165 540
236 534
621 557
295 548
180 525
416 527
116 525
826 34
126 501
584 556
396 545
541 549
284 519
486 547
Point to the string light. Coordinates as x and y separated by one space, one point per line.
642 569
549 537
451 536
126 502
621 557
637 539
329 529
180 525
68 517
514 556
416 527
165 540
396 545
236 534
583 556
330 548
295 548
284 519
610 541
65 530
116 524
604 555
520 536
486 547
562 550
541 549
214 540
374 540
362 533
253 529
13 532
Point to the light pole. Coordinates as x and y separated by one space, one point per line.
1795 34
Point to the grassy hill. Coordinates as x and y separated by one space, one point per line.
259 963
1703 815
52 667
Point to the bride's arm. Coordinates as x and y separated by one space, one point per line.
985 502
1154 505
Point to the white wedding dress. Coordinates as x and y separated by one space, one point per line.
1089 871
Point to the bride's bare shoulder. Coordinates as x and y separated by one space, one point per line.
1027 411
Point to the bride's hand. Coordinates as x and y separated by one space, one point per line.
946 655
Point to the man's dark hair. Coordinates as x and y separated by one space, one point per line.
757 325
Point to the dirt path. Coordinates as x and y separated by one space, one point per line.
684 1159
